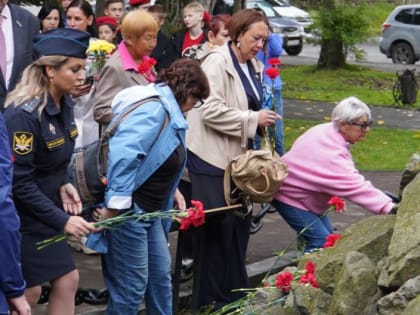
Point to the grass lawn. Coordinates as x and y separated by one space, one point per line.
383 149
306 82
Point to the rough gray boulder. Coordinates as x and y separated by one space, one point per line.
356 291
403 259
396 302
370 236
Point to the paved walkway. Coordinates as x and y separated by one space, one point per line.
401 118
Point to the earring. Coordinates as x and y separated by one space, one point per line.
238 44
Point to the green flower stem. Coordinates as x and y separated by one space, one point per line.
281 253
235 307
131 215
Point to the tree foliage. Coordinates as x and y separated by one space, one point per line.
340 28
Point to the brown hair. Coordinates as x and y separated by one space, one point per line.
217 21
109 2
185 77
158 10
241 21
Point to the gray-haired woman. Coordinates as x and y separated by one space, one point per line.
329 171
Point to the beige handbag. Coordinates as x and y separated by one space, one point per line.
257 173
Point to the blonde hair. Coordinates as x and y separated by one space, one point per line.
194 6
137 22
34 82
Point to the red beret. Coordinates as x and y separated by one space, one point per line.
105 19
138 2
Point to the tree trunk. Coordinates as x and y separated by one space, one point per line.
332 55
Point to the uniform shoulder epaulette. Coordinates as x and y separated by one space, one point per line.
30 105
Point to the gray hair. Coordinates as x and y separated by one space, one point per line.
350 110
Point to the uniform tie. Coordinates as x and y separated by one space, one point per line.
3 62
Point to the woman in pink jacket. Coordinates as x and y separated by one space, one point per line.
321 166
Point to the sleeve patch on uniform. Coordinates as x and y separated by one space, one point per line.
55 143
22 142
73 132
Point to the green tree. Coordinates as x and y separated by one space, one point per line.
341 26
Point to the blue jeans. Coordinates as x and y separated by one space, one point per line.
298 219
279 134
136 267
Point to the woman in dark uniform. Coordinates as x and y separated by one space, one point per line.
41 127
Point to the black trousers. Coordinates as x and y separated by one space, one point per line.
225 238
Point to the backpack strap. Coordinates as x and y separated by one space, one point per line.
109 132
112 128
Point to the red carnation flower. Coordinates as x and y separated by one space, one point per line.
195 218
206 17
337 203
272 73
331 239
146 68
309 278
143 67
310 267
283 281
274 61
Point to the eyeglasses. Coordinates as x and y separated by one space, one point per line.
363 126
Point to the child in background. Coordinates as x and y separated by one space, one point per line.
107 28
164 52
273 49
114 9
192 16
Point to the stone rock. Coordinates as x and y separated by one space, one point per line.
396 302
404 250
309 300
356 291
411 170
413 308
370 236
395 272
268 301
289 307
406 234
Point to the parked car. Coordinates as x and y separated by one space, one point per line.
286 10
401 35
292 32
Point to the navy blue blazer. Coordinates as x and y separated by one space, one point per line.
25 26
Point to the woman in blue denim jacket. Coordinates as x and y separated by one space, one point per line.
273 49
147 156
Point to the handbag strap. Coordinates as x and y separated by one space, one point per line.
226 183
267 184
244 139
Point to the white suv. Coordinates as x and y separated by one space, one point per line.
291 31
284 9
401 35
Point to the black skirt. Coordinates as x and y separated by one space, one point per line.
47 264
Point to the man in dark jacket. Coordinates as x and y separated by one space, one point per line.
18 26
164 52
